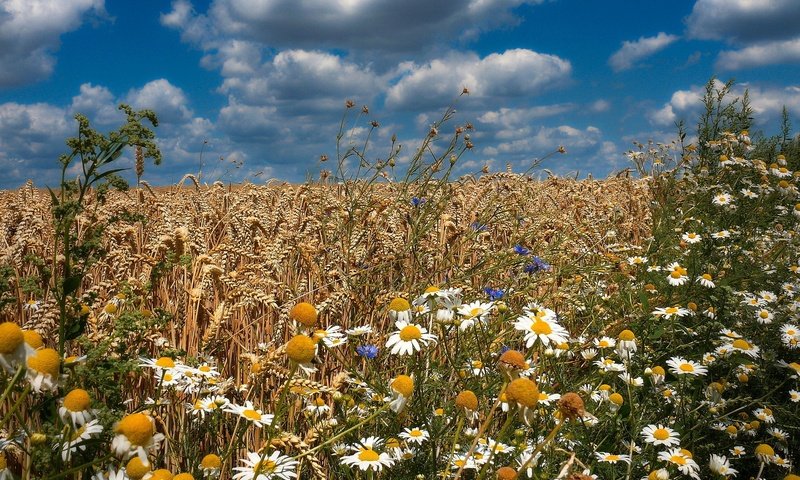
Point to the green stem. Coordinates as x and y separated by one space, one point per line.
342 434
16 405
13 382
79 468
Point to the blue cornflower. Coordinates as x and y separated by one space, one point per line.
519 249
536 265
367 351
494 293
416 201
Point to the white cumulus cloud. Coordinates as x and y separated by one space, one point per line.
513 73
29 34
632 52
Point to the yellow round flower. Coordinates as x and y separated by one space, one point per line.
183 476
11 337
137 427
467 399
627 336
77 400
506 473
161 474
33 339
523 391
616 399
404 385
304 313
301 349
46 361
399 305
136 469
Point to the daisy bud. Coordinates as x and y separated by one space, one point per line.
304 313
467 400
571 405
506 473
301 349
136 469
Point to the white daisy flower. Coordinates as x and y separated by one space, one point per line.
541 326
670 312
250 413
681 460
722 199
473 313
691 237
78 439
365 456
415 435
408 338
681 366
720 465
661 435
260 466
706 280
612 457
358 331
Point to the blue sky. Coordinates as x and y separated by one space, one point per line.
260 85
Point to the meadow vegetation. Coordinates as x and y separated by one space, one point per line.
402 323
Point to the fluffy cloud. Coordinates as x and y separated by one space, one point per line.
302 81
377 25
513 73
744 21
768 53
632 52
766 102
29 34
168 101
514 117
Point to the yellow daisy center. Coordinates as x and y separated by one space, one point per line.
161 474
368 455
671 310
136 469
300 349
763 314
304 313
523 391
33 339
658 370
678 460
137 427
77 400
410 332
686 367
404 385
661 434
612 458
432 289
399 305
741 344
540 327
764 449
211 461
251 414
165 362
183 476
46 361
477 364
11 337
616 399
627 336
415 433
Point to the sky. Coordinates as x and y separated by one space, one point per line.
251 90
